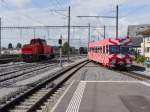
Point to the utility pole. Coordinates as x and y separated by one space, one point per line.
34 33
117 11
104 31
144 46
48 33
68 34
89 35
0 37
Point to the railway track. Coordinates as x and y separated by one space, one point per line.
9 59
25 71
14 69
31 99
134 75
8 79
10 64
131 72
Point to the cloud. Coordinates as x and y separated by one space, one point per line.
43 16
18 3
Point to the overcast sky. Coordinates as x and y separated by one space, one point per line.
38 12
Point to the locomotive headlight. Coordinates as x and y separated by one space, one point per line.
113 61
128 61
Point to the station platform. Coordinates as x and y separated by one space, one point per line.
105 96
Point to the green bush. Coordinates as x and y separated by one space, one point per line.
140 59
148 66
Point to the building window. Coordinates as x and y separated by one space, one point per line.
148 38
148 49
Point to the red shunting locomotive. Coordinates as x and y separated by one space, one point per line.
37 50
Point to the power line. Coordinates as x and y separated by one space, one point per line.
60 13
97 17
42 27
59 3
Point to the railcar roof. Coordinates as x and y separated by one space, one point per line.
106 41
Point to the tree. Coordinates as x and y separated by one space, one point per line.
10 46
18 45
65 48
3 48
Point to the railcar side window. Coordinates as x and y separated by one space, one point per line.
103 49
95 49
107 49
100 49
92 49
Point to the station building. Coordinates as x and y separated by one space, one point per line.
145 45
140 35
134 33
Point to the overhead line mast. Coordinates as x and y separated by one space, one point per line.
109 17
117 13
68 34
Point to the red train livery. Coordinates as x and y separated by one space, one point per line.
37 50
111 52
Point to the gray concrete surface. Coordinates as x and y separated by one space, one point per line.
132 96
96 72
105 91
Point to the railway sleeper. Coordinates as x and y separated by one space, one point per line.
18 111
31 100
38 95
27 103
22 107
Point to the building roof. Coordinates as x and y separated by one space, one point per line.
136 42
146 32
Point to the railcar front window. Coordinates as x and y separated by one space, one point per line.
114 49
124 49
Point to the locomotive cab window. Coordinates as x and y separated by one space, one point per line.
34 41
38 41
43 42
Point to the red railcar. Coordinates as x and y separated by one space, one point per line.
111 52
37 50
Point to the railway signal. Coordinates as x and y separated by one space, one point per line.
60 49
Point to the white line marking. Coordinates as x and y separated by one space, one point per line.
76 99
145 83
59 100
115 81
140 82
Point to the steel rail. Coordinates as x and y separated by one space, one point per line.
11 104
36 68
131 73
